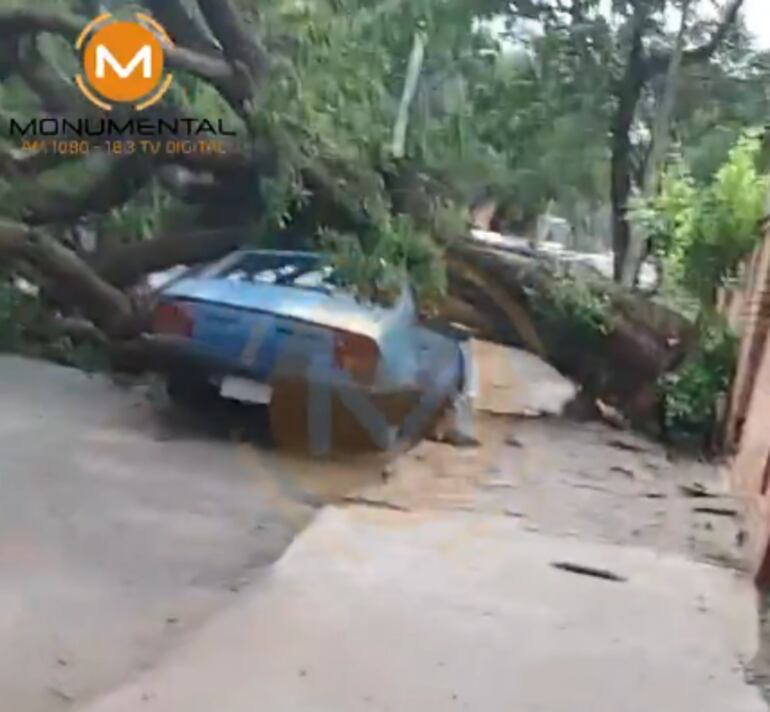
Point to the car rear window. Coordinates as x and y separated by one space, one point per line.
305 271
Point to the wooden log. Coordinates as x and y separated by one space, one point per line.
618 361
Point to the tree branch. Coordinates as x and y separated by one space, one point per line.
240 47
183 28
15 164
25 21
94 185
106 306
231 81
704 52
658 63
627 92
661 139
124 266
56 95
13 236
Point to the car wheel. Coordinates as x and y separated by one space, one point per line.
191 391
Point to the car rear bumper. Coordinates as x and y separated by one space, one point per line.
348 414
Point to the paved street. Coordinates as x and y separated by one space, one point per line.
382 610
149 560
117 534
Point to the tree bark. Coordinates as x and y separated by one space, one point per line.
619 364
183 27
627 95
243 49
106 306
639 70
411 83
661 135
125 266
231 79
658 63
340 188
56 198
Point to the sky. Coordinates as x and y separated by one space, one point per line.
757 15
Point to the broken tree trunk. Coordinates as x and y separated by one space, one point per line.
614 343
616 351
661 140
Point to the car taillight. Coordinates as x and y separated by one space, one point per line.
172 319
357 355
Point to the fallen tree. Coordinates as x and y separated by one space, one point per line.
284 176
615 344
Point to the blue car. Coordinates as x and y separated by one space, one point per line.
259 320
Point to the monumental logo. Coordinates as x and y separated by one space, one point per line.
123 62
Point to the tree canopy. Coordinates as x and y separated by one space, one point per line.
573 106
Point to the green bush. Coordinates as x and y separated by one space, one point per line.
690 395
25 330
400 251
702 233
569 304
17 309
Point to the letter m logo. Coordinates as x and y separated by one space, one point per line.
105 57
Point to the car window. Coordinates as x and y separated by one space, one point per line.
306 271
323 277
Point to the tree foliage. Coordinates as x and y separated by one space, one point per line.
704 232
504 108
527 102
691 394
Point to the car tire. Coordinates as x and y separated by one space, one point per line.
191 391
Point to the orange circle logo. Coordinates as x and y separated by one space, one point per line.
124 62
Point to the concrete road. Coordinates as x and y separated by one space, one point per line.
114 539
380 610
134 573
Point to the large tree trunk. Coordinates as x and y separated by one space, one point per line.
505 296
414 68
661 134
125 266
628 93
517 294
517 299
107 307
640 68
